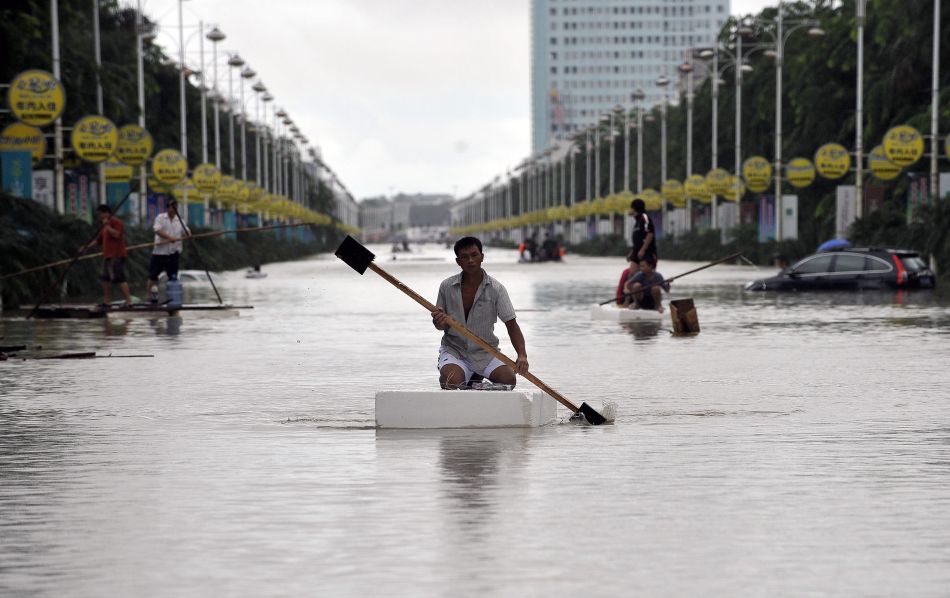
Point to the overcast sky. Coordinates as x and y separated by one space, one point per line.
406 96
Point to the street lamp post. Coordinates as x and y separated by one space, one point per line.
638 97
661 82
626 150
140 32
246 73
859 115
235 61
215 36
204 97
935 105
266 97
687 69
258 90
587 141
181 90
779 38
597 159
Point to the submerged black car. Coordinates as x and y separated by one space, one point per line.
852 269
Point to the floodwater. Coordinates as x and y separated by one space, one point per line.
800 445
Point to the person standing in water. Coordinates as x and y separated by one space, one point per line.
114 253
166 251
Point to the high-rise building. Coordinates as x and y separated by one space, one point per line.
588 56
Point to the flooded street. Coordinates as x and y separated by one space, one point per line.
800 445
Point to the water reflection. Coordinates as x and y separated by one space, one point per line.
114 327
643 330
166 326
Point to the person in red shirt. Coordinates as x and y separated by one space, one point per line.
112 238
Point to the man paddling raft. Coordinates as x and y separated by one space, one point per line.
477 300
642 288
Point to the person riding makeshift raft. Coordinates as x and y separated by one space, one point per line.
477 299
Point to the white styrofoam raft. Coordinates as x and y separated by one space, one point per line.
464 408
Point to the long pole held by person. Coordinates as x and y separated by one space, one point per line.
75 259
200 260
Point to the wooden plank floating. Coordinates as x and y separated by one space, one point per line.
140 310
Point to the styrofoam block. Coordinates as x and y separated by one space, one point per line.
464 408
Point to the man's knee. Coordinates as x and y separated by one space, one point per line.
451 377
503 374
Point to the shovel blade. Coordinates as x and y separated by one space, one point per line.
354 254
591 415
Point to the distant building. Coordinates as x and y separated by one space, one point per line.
416 218
588 56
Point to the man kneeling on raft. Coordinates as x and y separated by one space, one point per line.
643 287
476 300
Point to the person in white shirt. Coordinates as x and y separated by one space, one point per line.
169 231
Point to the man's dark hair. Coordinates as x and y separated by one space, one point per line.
638 206
104 208
467 242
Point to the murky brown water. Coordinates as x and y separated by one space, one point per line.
799 446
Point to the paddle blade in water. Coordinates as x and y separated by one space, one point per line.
354 254
591 415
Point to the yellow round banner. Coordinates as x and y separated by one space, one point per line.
730 195
946 147
800 172
757 173
832 161
207 177
244 192
36 98
882 168
20 137
185 190
134 146
651 199
227 189
94 138
117 172
696 188
717 180
169 167
672 191
903 145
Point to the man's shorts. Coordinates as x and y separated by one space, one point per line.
446 358
163 263
646 299
113 270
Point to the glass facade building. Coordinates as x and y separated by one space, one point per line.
590 55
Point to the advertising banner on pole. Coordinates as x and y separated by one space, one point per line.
16 169
845 209
43 190
766 218
789 217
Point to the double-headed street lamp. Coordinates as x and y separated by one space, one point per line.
779 37
716 72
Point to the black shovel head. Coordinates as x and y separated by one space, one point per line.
591 415
354 254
